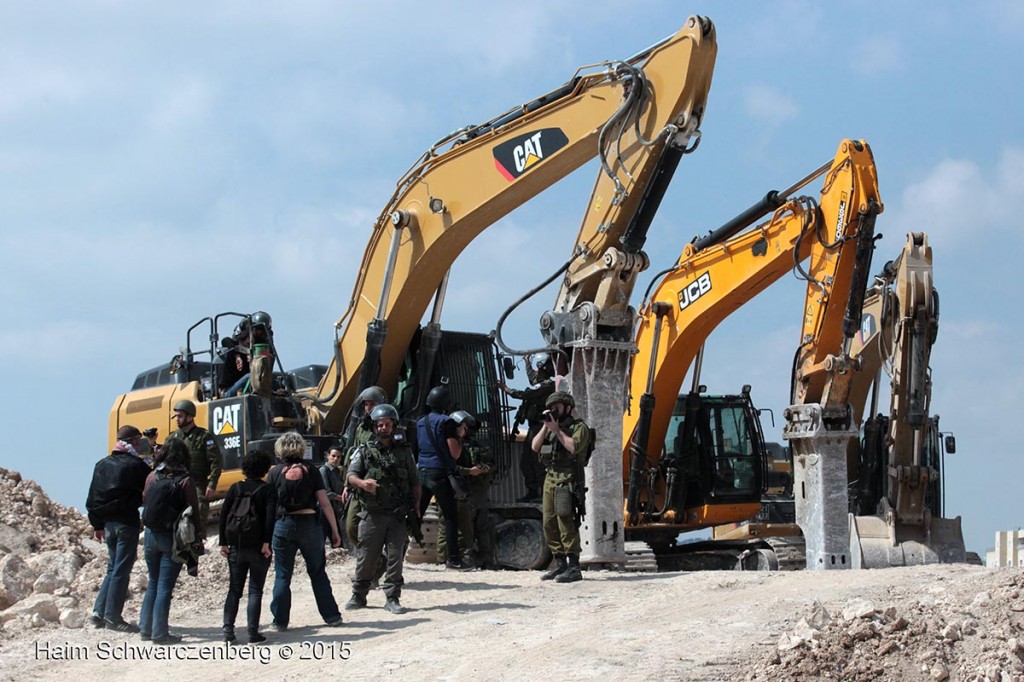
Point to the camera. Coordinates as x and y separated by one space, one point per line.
547 416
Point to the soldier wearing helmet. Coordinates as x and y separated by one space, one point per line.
476 532
204 463
561 444
439 452
383 473
542 376
368 399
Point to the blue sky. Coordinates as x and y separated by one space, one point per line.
164 162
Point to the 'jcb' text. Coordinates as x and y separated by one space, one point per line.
694 290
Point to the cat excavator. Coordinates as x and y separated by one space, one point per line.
714 465
638 116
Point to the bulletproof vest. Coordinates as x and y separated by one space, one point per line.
196 440
553 454
394 479
430 458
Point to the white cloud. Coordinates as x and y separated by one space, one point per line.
958 201
768 104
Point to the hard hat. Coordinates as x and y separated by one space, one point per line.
439 398
374 394
186 406
384 411
461 417
560 397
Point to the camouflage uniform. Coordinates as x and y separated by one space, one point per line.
561 532
530 411
475 526
204 464
382 517
364 432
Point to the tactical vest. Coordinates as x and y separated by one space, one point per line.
390 468
553 454
198 461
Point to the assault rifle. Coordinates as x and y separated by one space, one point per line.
579 492
413 525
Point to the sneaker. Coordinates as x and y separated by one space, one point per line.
229 638
335 623
145 637
167 639
456 565
394 607
122 626
356 602
97 621
256 638
279 627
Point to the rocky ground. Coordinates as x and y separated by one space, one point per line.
954 622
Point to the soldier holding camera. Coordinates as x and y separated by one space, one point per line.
561 443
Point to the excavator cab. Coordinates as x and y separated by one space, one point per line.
716 454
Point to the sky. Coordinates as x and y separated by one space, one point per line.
161 162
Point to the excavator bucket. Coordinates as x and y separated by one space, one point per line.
874 543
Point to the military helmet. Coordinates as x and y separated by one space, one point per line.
373 394
186 406
560 397
439 398
461 417
260 317
384 411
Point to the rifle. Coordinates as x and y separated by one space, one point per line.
413 526
579 493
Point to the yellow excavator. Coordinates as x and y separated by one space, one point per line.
639 116
896 469
714 467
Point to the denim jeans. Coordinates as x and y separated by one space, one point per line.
300 533
243 563
435 484
163 575
122 549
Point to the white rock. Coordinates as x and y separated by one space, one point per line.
788 642
818 616
37 621
48 583
42 605
858 608
951 633
16 578
982 599
939 672
73 618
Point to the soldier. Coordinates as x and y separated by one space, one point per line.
368 399
384 473
204 456
543 385
562 443
475 528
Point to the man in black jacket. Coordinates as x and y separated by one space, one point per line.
115 496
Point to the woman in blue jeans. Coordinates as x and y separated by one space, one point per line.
300 490
168 491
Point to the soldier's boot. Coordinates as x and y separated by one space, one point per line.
572 573
560 567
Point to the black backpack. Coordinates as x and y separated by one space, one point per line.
294 489
243 526
165 501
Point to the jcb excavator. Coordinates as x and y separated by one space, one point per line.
638 116
714 467
896 500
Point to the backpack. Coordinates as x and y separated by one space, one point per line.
294 489
243 527
591 442
164 501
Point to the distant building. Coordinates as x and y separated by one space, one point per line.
1008 552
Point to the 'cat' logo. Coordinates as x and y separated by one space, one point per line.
225 419
520 154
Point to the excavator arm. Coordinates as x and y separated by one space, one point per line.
897 513
473 177
715 276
